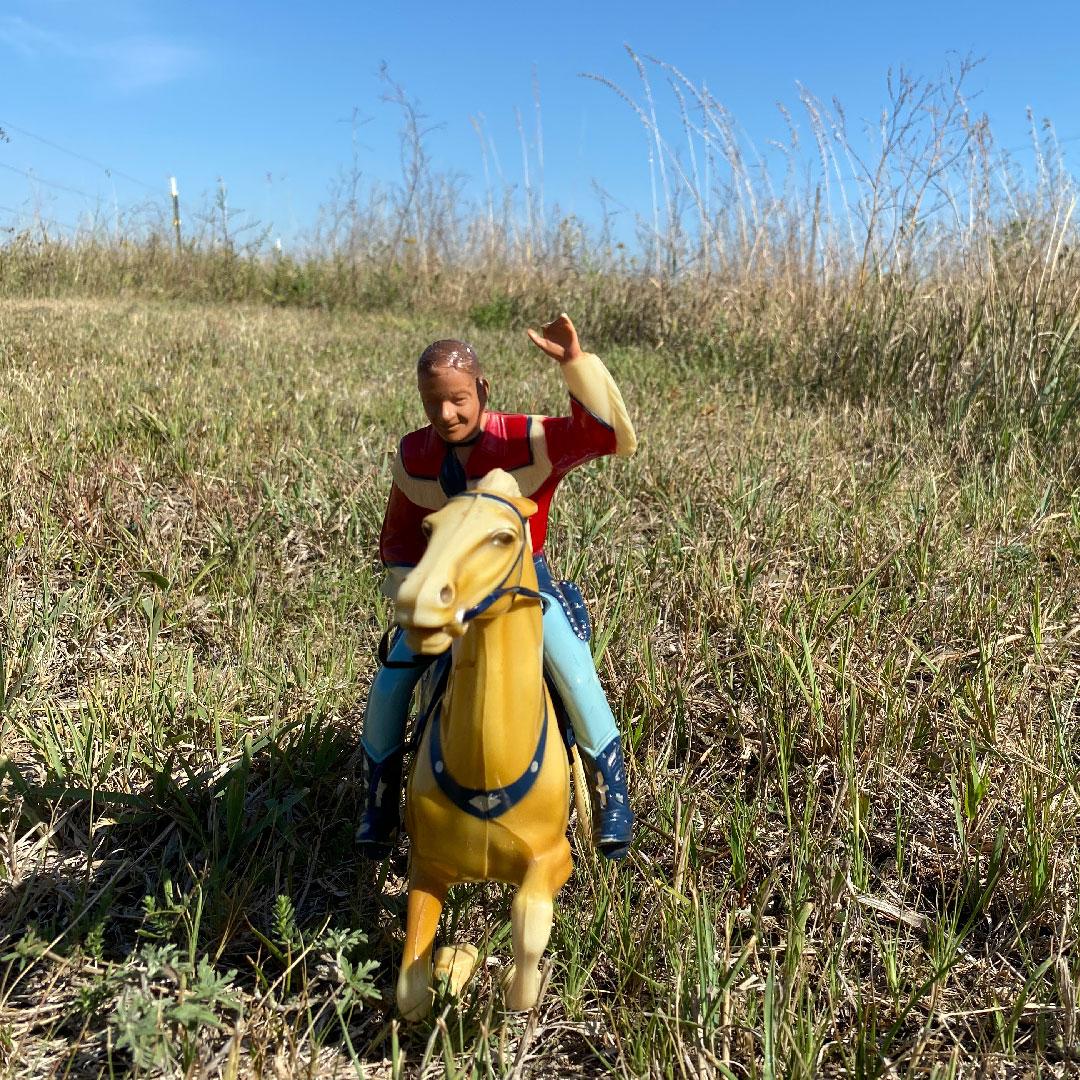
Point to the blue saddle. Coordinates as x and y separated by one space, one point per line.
569 597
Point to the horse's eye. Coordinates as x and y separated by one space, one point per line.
503 538
426 528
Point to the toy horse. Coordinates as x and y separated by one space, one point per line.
488 796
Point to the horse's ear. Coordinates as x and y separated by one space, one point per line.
525 507
504 486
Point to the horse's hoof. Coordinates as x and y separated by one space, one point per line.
455 963
522 998
520 993
411 1012
414 998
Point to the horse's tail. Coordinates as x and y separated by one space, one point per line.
581 799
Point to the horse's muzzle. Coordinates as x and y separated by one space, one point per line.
429 640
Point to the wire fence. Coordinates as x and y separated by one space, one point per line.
100 209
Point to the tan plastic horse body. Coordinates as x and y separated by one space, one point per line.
495 715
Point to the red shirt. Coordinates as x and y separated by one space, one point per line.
538 451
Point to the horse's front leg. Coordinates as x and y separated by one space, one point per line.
531 915
427 892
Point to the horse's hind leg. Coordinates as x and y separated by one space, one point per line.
531 915
426 896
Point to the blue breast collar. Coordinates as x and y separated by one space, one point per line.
484 803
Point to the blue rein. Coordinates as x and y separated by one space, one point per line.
501 589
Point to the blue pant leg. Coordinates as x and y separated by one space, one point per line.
569 662
387 710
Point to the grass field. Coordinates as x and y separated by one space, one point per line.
839 631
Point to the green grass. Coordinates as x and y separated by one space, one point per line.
837 622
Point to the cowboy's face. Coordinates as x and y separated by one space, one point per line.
454 402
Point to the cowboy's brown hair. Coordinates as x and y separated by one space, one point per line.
452 354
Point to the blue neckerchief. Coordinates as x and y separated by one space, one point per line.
452 477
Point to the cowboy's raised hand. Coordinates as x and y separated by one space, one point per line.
558 339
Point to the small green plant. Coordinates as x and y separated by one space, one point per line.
27 949
163 918
155 1017
352 975
94 941
283 924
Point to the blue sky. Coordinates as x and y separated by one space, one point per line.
262 95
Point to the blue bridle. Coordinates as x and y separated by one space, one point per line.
501 589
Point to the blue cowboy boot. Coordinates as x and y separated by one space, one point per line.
381 821
613 820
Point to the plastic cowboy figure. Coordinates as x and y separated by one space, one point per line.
463 442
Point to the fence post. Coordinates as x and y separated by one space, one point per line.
175 211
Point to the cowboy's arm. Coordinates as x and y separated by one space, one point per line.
592 387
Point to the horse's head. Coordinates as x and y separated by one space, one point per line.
477 547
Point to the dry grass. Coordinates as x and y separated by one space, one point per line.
837 623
